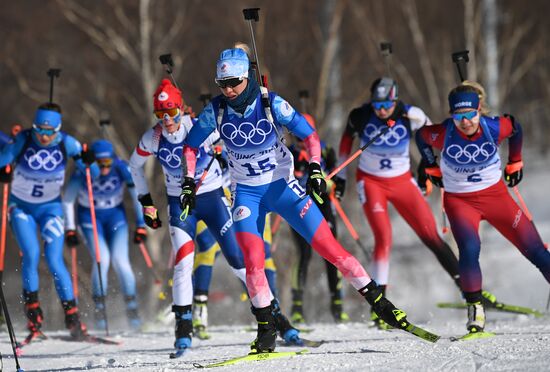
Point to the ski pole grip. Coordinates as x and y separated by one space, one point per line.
252 14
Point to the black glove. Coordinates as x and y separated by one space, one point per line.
5 176
71 238
513 173
140 235
433 172
339 187
219 157
87 157
150 213
384 308
422 179
187 197
316 185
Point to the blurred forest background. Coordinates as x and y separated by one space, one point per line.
108 53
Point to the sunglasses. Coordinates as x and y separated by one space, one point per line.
173 112
469 115
229 83
44 131
379 105
104 162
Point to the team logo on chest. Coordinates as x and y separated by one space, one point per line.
392 138
246 133
106 186
171 157
472 152
43 159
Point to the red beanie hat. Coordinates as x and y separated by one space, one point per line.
167 96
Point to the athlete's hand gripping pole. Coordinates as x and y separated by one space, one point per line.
5 194
94 230
390 123
349 226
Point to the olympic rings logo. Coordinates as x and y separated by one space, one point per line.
247 132
172 158
43 159
106 186
392 138
471 152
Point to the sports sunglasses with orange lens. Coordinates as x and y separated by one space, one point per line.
173 112
105 162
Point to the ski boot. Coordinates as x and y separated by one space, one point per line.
337 311
200 316
184 329
383 308
290 334
132 312
267 332
297 312
488 299
100 316
33 311
76 328
476 317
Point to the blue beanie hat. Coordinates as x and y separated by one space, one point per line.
47 117
461 100
103 149
233 63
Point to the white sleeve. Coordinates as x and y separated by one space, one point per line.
68 201
137 161
417 118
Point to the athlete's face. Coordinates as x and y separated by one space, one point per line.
383 111
233 92
104 165
467 121
45 134
170 119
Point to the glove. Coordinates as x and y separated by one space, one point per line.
316 185
422 179
71 238
433 172
5 176
150 213
187 197
87 157
140 235
384 308
339 187
219 157
513 173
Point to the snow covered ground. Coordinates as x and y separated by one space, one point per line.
521 344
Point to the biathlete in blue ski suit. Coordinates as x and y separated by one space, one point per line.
112 226
39 156
250 121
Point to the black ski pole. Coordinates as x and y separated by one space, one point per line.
205 98
53 73
103 125
460 59
304 97
386 49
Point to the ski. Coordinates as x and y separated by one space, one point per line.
473 336
88 338
30 338
421 332
498 306
253 357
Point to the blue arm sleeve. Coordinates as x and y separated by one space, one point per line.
4 138
74 148
205 125
425 149
127 176
286 115
12 149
